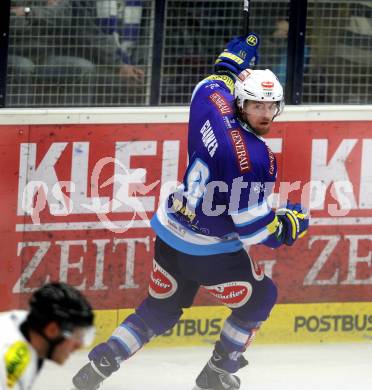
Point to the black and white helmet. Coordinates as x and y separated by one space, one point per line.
65 305
258 85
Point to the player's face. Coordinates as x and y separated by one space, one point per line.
259 115
64 349
73 340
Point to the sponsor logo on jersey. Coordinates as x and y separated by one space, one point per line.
232 294
213 86
220 103
179 207
209 138
17 358
176 228
241 151
228 81
227 122
271 161
162 284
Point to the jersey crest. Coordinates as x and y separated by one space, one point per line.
17 358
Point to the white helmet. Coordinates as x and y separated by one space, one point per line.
258 85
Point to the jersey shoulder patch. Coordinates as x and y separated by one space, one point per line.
17 358
227 81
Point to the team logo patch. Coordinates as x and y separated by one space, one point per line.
162 284
251 40
220 103
231 294
17 358
241 151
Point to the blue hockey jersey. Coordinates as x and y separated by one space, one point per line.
222 202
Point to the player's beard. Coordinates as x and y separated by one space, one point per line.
259 125
263 128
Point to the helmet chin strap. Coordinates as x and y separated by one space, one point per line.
52 343
246 126
242 122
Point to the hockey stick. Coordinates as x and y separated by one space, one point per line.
251 38
246 17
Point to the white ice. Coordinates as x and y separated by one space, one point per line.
274 367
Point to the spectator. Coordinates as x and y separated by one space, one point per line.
279 46
96 28
353 54
39 34
65 43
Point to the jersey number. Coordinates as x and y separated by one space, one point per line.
197 178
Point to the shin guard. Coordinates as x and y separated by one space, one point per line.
235 337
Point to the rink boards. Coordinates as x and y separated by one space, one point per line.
79 227
288 323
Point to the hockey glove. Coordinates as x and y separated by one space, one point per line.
240 53
295 222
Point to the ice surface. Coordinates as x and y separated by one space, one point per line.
274 367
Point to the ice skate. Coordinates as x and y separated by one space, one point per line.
103 363
87 378
213 378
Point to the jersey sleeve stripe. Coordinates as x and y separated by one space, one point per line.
249 215
256 237
264 222
254 220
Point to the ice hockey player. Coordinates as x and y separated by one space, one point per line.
60 320
203 227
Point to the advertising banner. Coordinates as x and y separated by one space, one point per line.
76 200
